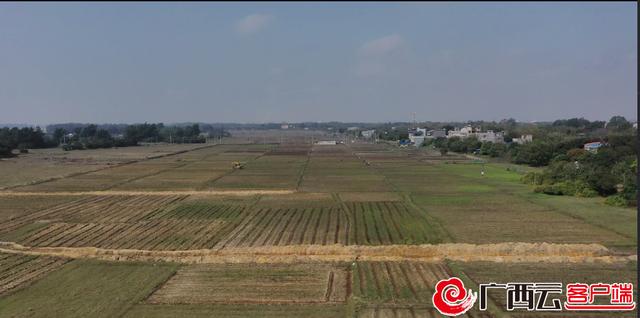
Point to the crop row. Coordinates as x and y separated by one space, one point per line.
397 282
161 234
248 283
49 213
197 210
171 222
96 209
268 227
18 270
368 223
378 223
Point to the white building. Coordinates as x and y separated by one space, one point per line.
368 133
468 131
464 132
523 139
417 136
490 136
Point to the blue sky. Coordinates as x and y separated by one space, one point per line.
261 62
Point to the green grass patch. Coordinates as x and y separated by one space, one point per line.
442 200
473 188
492 172
87 289
593 211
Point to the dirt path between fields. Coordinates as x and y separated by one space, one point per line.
160 193
499 253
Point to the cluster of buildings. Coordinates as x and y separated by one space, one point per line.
417 136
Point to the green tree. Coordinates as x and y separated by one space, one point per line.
58 135
536 153
618 123
486 148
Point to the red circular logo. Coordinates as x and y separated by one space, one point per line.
451 299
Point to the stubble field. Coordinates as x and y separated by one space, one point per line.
289 196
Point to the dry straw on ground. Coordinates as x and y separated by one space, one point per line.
502 253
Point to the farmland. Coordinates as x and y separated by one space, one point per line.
243 283
46 164
74 285
19 270
293 233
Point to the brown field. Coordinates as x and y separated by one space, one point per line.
171 222
44 164
138 222
17 206
249 283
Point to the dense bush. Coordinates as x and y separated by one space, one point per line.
617 200
609 172
533 178
576 188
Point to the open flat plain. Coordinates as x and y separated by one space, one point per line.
303 230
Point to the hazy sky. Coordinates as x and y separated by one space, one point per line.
258 62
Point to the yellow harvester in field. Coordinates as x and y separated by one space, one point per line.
237 165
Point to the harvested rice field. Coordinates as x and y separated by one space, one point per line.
302 230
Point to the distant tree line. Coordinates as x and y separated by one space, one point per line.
91 136
23 139
74 136
161 133
113 129
88 137
511 126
